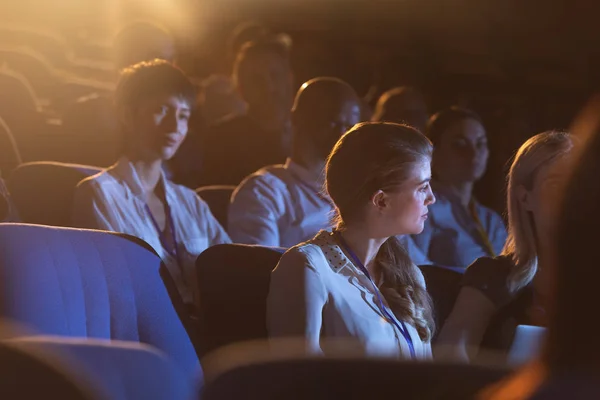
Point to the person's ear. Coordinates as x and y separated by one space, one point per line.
524 198
380 200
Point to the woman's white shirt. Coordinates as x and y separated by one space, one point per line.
316 292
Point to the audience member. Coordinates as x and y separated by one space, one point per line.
491 284
403 105
240 145
459 229
220 99
91 120
569 363
357 282
154 101
283 205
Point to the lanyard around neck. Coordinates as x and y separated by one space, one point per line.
172 250
398 324
480 230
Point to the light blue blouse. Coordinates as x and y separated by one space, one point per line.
451 237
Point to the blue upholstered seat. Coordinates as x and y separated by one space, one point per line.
116 369
84 283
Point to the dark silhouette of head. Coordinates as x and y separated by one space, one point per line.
263 76
403 105
460 146
324 109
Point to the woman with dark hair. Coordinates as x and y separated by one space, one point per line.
459 229
154 101
356 281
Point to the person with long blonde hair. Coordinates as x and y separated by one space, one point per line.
511 284
356 282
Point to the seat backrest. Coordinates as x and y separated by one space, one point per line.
233 281
43 191
120 370
217 197
28 375
10 157
85 283
443 285
19 108
348 379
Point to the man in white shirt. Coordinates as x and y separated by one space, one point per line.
283 205
154 100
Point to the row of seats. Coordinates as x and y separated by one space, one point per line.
72 283
57 292
43 192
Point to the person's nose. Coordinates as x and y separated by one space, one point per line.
169 123
430 198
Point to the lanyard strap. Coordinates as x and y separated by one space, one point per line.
401 326
480 230
173 251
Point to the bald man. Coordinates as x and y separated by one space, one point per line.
283 205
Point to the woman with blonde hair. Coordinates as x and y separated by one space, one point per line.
356 282
511 285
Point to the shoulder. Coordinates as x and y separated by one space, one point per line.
489 275
490 266
186 195
96 184
304 255
490 215
182 191
268 179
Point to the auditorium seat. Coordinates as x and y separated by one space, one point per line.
217 197
20 109
43 191
90 284
233 282
443 285
270 375
117 369
10 157
26 374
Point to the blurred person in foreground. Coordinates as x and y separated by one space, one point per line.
569 365
356 282
154 101
241 144
283 205
459 229
511 287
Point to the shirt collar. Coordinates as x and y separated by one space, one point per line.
125 171
333 252
307 177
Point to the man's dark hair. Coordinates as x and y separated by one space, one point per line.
151 78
